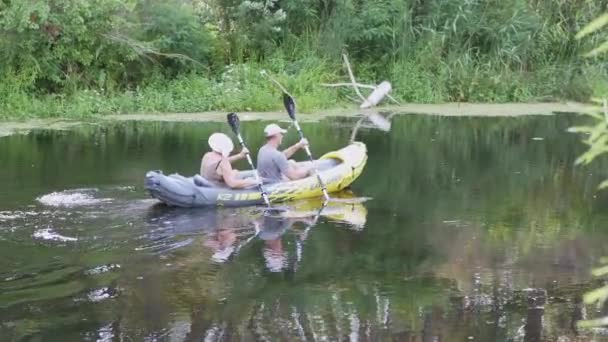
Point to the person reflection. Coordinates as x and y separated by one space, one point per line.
222 240
272 229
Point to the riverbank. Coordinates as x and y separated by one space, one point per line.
176 57
243 88
10 127
443 109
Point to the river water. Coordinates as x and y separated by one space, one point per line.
478 229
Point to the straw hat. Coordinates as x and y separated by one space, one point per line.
221 143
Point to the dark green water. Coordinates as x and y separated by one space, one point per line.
478 230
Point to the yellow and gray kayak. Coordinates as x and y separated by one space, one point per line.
338 169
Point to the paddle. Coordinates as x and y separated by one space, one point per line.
290 106
235 124
304 235
238 248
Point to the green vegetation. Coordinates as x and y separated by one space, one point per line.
77 58
596 138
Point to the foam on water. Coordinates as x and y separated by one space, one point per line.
72 198
49 234
6 216
105 333
101 269
101 294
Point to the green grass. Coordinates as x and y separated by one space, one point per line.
243 88
238 88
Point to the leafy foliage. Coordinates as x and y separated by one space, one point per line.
478 50
599 295
596 132
597 140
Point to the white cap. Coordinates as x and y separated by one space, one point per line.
273 129
221 143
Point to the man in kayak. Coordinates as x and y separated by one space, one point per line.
216 164
273 165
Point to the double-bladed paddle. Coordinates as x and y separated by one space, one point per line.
235 124
290 106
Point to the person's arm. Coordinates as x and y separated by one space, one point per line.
231 179
288 169
294 172
239 155
294 148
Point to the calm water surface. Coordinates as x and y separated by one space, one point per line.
479 229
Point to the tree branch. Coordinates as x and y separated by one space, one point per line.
141 49
352 77
348 85
360 85
265 73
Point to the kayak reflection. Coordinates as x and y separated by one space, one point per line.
225 231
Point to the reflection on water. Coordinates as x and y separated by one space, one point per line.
227 230
478 230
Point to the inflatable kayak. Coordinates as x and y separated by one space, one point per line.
338 169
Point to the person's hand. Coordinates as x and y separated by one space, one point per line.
302 143
310 171
308 220
244 152
252 182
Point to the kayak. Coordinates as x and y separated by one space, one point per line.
338 169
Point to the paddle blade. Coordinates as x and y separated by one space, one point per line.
290 106
234 122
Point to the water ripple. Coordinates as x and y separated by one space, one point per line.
49 234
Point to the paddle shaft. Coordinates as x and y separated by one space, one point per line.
238 248
312 162
305 234
255 171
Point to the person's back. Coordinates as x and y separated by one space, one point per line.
210 167
216 167
272 164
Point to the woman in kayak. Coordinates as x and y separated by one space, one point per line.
216 164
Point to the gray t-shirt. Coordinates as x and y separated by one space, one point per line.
272 164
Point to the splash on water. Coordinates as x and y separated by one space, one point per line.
6 216
101 269
72 198
99 295
105 333
49 234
